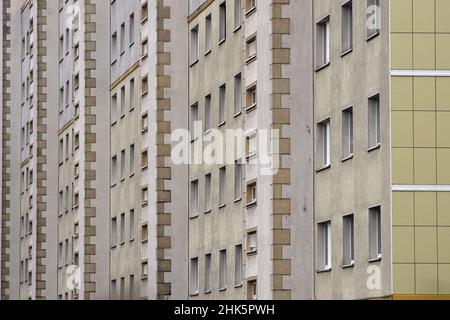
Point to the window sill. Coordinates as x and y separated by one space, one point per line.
250 11
222 289
122 116
319 68
237 286
250 108
346 52
114 62
144 20
251 204
114 184
370 149
222 206
114 246
250 59
144 168
347 158
131 44
236 29
324 270
237 200
143 94
222 41
193 63
208 211
252 252
237 114
207 52
377 259
348 266
131 175
193 294
144 131
207 292
222 124
373 36
323 168
144 204
122 180
207 131
193 217
113 123
144 56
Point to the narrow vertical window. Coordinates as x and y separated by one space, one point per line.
237 179
238 266
222 104
194 198
323 42
222 186
347 26
324 144
193 281
194 44
237 13
122 228
375 233
347 133
132 158
208 112
237 94
208 192
193 120
132 225
208 33
114 170
114 109
223 269
131 29
122 101
373 18
132 94
374 126
208 273
324 242
122 38
122 164
222 22
348 237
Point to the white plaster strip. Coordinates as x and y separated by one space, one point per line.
420 73
421 188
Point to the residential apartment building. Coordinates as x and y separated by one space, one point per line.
314 166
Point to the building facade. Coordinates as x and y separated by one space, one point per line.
225 149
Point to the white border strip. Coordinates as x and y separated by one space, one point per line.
420 73
421 188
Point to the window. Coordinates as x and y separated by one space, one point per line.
223 270
113 289
60 254
373 18
122 165
122 228
131 29
237 94
237 179
131 292
251 145
61 151
375 233
122 38
208 112
237 14
76 51
144 270
324 144
114 109
67 93
122 288
114 47
61 202
144 233
67 40
144 48
222 104
208 33
67 146
76 200
323 42
194 198
144 159
193 121
144 196
251 193
208 192
76 170
222 22
347 133
252 290
132 156
251 97
374 122
238 265
324 242
114 170
122 101
132 94
76 141
132 227
250 5
348 237
347 26
144 122
144 86
144 12
76 81
193 276
252 242
66 252
194 44
222 186
208 273
250 49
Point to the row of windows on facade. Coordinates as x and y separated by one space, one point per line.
25 133
119 227
64 150
25 272
324 133
28 38
250 7
26 179
121 291
123 161
251 190
120 109
194 281
323 32
325 241
250 104
68 199
28 89
68 251
122 39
